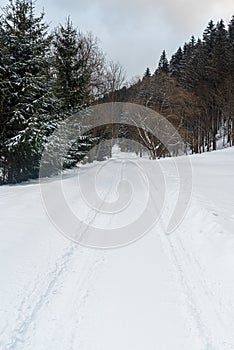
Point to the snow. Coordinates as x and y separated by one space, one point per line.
167 292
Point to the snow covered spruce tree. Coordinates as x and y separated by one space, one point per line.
26 101
79 78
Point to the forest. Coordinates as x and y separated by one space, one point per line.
48 74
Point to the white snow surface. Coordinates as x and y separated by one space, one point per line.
162 292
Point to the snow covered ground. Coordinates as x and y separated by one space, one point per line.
163 292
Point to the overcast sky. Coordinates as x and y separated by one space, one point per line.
135 32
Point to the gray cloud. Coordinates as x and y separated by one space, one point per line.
180 14
135 32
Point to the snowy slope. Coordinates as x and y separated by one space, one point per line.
166 292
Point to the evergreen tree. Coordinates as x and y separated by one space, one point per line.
231 44
220 52
25 97
176 63
67 68
78 68
163 65
147 73
209 31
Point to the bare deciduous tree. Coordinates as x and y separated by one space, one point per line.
114 78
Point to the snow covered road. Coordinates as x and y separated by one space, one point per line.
165 292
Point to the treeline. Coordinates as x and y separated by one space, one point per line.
194 89
46 75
